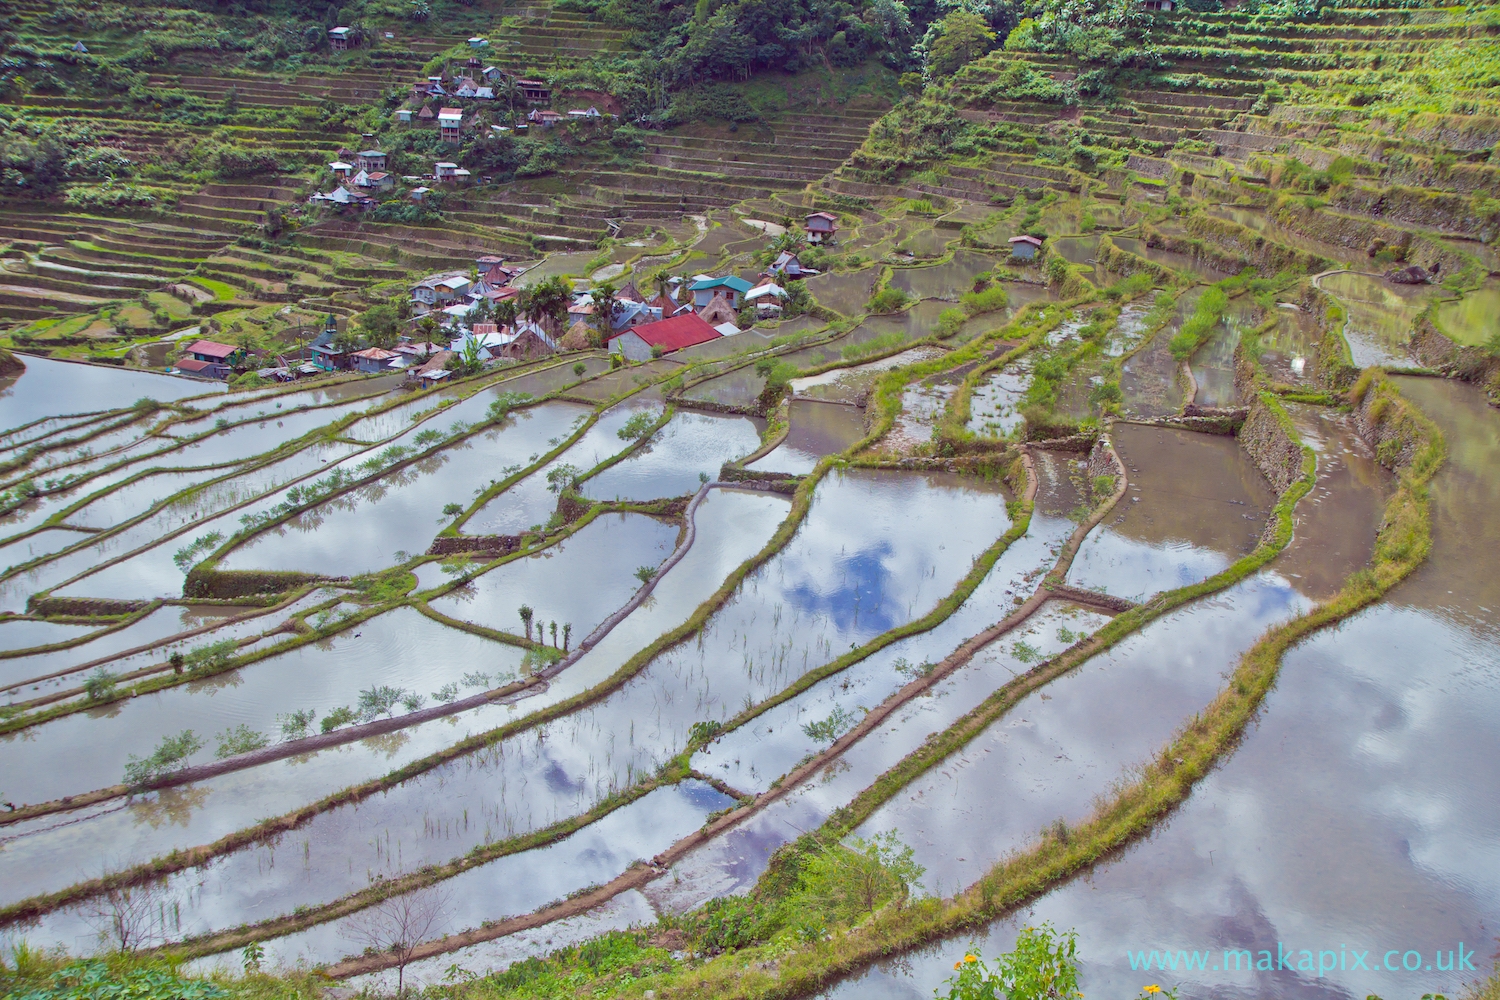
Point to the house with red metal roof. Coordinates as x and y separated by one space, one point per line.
208 350
641 343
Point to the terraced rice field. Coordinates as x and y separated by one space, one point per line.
1142 590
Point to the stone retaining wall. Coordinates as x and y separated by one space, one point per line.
1472 364
491 546
84 607
1275 453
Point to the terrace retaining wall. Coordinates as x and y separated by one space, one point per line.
1275 453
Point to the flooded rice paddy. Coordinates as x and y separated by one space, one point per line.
607 553
1381 315
1195 503
814 429
1357 746
1376 737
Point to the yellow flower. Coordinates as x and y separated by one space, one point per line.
1153 988
958 965
970 958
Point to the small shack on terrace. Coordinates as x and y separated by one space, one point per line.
821 227
1024 247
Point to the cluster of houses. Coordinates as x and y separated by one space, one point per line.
684 313
475 86
363 178
213 360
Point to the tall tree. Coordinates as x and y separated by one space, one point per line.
605 304
380 324
964 37
548 299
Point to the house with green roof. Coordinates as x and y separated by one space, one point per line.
732 287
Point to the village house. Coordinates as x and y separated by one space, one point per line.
214 352
591 112
668 306
451 124
731 286
484 93
439 291
494 74
203 369
466 90
534 91
342 198
719 310
787 265
433 87
403 115
449 173
327 357
630 314
496 294
484 341
341 169
370 160
766 299
413 349
419 194
527 341
426 115
662 337
546 119
339 38
377 182
434 371
1024 247
821 227
373 360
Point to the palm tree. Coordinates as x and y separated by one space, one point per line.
662 279
526 614
505 312
548 299
567 635
605 304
